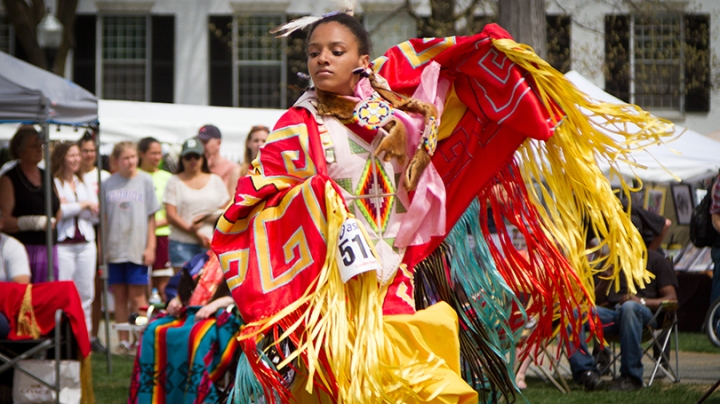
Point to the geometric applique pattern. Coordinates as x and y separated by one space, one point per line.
375 195
345 183
399 207
356 148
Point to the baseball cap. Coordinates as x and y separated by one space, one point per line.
191 146
208 132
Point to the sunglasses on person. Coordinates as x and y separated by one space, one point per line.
191 156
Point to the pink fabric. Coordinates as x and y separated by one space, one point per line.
425 217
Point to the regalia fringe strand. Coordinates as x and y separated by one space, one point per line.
567 174
462 273
551 291
339 333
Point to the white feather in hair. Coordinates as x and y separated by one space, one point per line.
348 7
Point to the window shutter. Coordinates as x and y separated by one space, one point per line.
84 68
617 56
220 30
163 59
697 63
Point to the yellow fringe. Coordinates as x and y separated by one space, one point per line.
86 386
26 322
575 188
345 322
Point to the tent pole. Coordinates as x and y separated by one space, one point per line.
103 258
48 202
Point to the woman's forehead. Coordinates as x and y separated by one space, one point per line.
332 33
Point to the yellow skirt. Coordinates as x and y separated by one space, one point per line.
433 331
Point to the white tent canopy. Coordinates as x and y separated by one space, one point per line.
691 156
169 123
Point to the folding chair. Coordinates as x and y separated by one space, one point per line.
554 370
60 345
658 338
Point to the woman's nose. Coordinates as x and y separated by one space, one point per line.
323 57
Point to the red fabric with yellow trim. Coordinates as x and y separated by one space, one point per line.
47 297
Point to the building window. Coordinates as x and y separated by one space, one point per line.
124 58
249 67
659 62
259 60
7 35
657 58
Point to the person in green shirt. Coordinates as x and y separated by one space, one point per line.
150 152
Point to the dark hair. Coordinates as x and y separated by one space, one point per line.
144 146
205 167
144 143
88 136
256 128
361 35
20 139
57 159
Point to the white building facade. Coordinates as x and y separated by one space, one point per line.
219 52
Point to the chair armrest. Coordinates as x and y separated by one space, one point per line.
669 305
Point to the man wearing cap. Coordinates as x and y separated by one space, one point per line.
211 139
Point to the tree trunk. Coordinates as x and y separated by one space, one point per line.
25 19
525 21
442 19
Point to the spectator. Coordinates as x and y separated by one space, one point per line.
652 227
625 315
23 202
211 139
89 174
150 156
77 251
193 199
715 251
255 139
14 266
130 206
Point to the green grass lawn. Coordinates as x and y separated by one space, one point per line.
696 342
114 388
540 392
111 388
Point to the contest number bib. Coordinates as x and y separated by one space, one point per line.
354 254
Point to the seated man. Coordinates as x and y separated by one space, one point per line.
625 315
14 263
14 267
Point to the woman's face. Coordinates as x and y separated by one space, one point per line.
88 153
32 152
192 162
153 155
332 56
257 139
71 163
127 162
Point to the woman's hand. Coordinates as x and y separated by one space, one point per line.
94 208
206 311
204 240
174 307
149 256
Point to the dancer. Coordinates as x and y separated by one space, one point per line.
349 237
